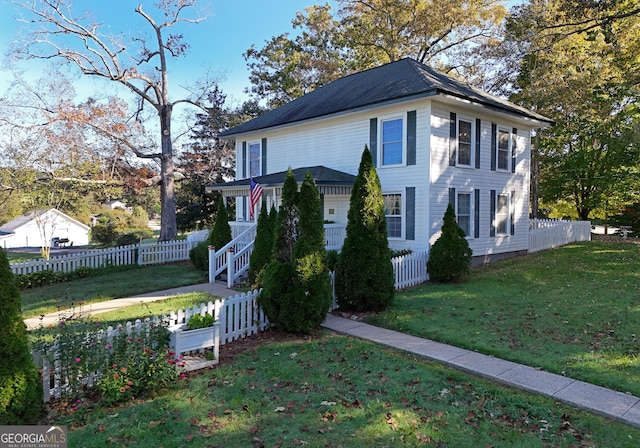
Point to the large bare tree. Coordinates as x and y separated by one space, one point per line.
138 63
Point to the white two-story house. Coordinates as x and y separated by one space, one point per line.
434 141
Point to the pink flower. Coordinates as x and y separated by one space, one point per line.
122 389
78 359
108 346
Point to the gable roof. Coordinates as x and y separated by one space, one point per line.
400 80
11 226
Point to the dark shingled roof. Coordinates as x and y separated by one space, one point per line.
322 176
400 80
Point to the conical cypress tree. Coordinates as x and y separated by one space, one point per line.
311 297
20 387
278 282
263 245
364 273
450 256
221 233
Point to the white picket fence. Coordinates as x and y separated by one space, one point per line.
410 270
142 254
238 317
55 378
550 233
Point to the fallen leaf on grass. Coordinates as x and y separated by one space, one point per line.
279 409
328 403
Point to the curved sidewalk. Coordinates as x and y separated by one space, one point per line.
52 319
606 402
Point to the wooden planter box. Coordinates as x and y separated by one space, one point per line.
182 340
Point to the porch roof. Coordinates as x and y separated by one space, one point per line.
328 181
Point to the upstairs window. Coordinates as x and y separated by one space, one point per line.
392 142
393 214
254 160
464 142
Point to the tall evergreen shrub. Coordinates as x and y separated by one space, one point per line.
20 386
220 236
450 256
263 245
278 276
364 273
312 292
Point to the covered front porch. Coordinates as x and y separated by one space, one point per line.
334 188
335 193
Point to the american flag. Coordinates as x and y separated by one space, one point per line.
254 196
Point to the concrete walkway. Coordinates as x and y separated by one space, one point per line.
609 403
52 319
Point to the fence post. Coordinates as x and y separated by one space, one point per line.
230 266
212 263
139 248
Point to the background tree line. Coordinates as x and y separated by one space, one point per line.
575 61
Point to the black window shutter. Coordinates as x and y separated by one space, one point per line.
453 138
411 213
476 213
513 150
373 140
494 137
244 160
452 198
512 215
478 135
411 137
263 171
492 230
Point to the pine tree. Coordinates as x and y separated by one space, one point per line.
450 255
263 246
20 387
364 273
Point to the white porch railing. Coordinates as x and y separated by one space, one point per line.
549 233
334 235
226 257
238 227
235 256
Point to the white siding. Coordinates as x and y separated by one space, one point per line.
338 142
467 179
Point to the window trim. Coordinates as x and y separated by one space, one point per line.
403 140
472 141
402 214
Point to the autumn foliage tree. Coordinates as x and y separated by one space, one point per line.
139 65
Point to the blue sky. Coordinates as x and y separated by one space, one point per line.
217 43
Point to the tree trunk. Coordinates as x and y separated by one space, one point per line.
168 227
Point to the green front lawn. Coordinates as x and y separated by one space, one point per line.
335 391
574 311
108 284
